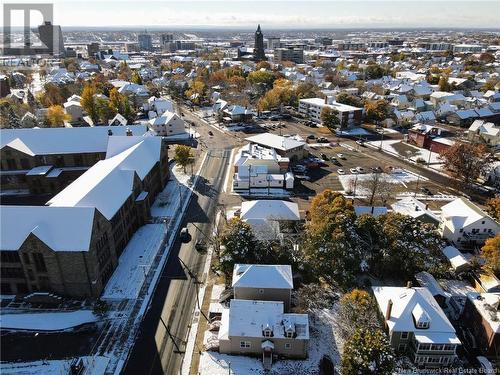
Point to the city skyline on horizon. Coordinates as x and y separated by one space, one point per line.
297 15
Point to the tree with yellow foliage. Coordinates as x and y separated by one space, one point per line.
493 208
491 253
56 116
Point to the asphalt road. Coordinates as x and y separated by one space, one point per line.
172 305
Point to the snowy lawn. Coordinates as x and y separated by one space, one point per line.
398 176
422 153
54 321
134 263
323 341
94 365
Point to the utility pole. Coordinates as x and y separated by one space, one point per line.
172 337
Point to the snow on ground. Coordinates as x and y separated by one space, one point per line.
398 176
94 365
167 202
53 321
353 131
134 263
423 153
323 341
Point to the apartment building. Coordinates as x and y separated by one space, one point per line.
71 245
292 54
45 160
348 115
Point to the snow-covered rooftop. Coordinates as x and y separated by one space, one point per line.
276 141
455 257
48 141
413 207
246 318
269 210
401 319
461 213
60 228
262 276
109 183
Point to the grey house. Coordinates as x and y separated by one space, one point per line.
263 282
417 326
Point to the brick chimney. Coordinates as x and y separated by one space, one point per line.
129 132
408 284
388 310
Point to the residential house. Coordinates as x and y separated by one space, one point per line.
168 124
269 218
263 282
262 328
486 132
417 325
465 225
413 207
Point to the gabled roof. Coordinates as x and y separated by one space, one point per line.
413 207
462 212
269 210
404 301
60 228
109 183
50 141
262 276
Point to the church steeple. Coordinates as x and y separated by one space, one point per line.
258 51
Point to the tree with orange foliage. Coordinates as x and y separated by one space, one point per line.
466 161
493 208
491 253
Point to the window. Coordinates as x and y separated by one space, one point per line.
288 346
424 347
461 230
244 344
26 258
401 347
482 222
404 335
289 334
422 325
449 347
39 262
261 291
436 347
268 333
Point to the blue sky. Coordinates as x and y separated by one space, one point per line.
278 14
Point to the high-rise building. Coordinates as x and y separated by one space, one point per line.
258 51
51 36
145 41
273 43
293 54
93 49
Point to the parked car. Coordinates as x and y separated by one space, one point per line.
376 169
426 191
311 136
299 168
340 171
210 133
302 177
200 246
341 156
323 140
360 142
184 235
353 171
324 157
360 169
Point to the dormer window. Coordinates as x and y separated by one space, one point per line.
420 317
267 331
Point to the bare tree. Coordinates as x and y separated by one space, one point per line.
378 187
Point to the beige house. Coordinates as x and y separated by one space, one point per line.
263 282
261 328
417 326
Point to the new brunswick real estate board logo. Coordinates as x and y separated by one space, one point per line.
20 40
